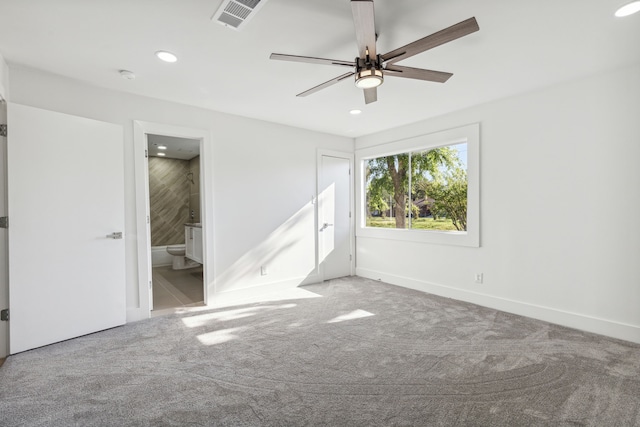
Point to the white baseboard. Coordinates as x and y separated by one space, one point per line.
135 314
572 320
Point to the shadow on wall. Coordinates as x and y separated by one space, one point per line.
287 255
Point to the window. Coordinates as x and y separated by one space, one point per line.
422 189
418 190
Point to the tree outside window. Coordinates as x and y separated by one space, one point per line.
424 190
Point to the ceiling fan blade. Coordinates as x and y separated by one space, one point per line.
454 32
311 60
364 20
325 84
370 95
417 73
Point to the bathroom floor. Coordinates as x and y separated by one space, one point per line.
176 289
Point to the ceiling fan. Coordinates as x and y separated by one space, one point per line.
369 67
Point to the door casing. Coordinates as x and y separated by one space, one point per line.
140 131
4 254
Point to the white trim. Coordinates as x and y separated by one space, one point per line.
469 134
4 247
140 130
352 245
136 313
582 322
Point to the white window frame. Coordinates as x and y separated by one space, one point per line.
469 134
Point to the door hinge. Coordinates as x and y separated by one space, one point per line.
150 286
3 130
350 257
148 220
349 214
4 222
4 315
146 154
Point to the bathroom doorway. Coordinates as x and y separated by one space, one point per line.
175 223
141 131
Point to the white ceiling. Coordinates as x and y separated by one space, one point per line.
520 46
176 148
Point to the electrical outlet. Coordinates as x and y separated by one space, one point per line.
263 270
479 277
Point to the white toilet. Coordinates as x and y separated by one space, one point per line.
180 262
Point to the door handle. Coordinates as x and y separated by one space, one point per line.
325 226
115 235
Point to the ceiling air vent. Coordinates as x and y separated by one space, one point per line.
236 13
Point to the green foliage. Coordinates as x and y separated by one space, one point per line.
437 172
377 202
450 196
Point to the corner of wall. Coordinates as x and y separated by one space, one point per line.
4 78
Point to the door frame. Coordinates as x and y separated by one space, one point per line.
352 244
4 247
143 215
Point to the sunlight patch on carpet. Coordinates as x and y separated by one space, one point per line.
219 337
227 315
356 314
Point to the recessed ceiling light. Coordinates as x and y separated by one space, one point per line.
161 154
162 147
166 56
355 112
628 9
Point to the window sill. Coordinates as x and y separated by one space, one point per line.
457 238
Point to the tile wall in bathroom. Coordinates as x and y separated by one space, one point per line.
169 190
194 189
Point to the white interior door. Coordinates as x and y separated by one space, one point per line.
334 207
66 195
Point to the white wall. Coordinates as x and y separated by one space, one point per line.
263 179
560 201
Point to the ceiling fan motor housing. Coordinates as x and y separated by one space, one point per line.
368 73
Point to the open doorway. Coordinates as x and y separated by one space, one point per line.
175 223
141 129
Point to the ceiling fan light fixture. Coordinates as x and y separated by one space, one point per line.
628 9
369 78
